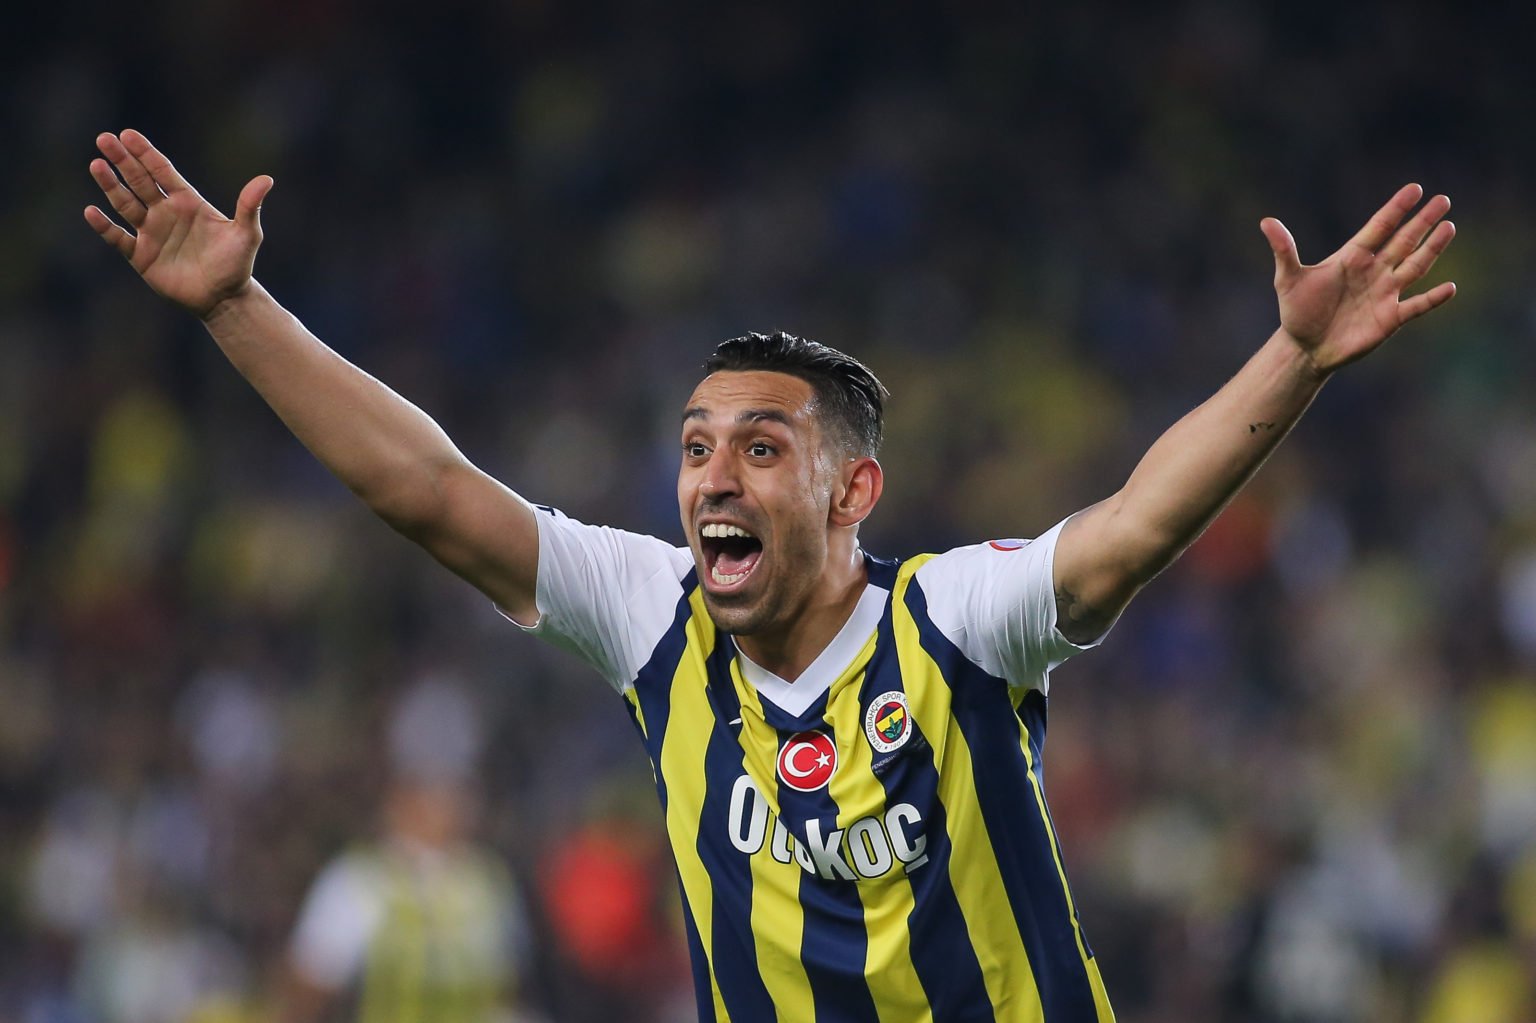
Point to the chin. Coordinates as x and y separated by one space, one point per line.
737 619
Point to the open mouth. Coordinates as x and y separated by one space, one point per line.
730 552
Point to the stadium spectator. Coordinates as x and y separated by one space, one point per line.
423 925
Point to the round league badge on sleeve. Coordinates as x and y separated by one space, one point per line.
888 723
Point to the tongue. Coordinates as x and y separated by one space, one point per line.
735 562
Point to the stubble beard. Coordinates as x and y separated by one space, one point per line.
746 618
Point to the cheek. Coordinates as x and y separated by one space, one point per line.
805 515
685 511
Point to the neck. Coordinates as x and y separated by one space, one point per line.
788 651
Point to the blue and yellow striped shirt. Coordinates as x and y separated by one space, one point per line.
881 853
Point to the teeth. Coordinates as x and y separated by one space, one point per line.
721 529
726 580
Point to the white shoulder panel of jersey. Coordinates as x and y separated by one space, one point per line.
605 594
996 601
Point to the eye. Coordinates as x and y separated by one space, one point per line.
694 449
762 449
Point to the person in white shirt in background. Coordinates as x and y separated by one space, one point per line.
421 924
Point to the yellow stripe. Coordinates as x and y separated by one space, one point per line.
1090 966
778 920
1100 995
633 696
689 725
973 870
899 996
634 701
759 740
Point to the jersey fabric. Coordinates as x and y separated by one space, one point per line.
871 842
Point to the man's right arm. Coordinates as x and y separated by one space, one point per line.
387 451
390 453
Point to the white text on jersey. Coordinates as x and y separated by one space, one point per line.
868 848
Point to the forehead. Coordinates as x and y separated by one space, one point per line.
729 395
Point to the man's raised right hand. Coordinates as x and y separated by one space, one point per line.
183 248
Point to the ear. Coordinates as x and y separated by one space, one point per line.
860 484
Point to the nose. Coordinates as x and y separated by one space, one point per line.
720 477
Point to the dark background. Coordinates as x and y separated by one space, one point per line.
1297 783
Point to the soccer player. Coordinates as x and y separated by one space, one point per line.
847 749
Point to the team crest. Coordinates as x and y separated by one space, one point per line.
807 761
888 723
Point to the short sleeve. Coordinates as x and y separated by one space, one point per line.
996 601
605 594
336 924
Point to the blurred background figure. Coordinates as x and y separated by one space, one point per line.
423 924
614 918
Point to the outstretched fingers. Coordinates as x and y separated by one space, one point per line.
111 232
1410 237
1418 262
1385 220
154 162
118 194
1416 306
1407 251
130 169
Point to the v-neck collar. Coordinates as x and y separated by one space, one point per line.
795 698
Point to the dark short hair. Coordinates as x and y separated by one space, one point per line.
850 397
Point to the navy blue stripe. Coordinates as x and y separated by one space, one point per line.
833 948
1020 841
882 571
1032 711
833 942
732 946
703 992
942 954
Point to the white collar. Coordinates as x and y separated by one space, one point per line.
796 697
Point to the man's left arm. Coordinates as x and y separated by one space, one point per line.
1331 314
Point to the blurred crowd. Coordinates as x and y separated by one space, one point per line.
1298 782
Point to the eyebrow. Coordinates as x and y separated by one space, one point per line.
745 416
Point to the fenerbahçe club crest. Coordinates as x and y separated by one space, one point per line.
887 723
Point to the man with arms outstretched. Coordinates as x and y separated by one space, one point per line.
846 749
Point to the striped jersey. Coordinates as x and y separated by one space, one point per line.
871 842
